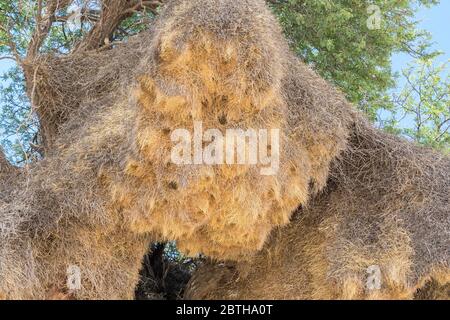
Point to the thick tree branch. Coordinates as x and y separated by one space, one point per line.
43 24
113 12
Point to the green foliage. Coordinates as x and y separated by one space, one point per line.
17 23
18 125
424 102
334 37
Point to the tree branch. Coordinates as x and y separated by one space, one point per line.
113 12
43 24
10 43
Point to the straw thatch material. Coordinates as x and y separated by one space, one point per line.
107 187
208 62
386 205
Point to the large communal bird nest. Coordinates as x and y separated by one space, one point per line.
107 188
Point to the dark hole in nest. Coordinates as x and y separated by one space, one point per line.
173 185
164 274
223 119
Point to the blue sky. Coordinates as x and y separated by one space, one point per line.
437 21
5 65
